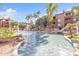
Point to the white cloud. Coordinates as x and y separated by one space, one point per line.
9 12
68 9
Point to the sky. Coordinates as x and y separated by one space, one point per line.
18 11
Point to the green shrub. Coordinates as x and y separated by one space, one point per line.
6 33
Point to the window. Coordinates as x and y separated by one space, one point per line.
74 19
59 25
59 20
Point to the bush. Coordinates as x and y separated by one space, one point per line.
6 33
73 38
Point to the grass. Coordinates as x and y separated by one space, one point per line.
6 33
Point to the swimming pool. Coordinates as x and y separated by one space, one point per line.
44 44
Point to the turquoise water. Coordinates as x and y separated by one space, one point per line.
44 44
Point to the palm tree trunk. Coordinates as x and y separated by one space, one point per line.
71 34
77 29
18 27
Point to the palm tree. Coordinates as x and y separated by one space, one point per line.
1 4
36 15
29 17
50 9
75 9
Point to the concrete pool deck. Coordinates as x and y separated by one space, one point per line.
76 47
10 48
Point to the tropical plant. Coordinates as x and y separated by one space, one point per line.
50 9
75 7
1 4
77 23
6 33
76 13
14 23
29 19
69 25
36 15
41 22
29 16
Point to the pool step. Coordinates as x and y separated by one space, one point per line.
75 44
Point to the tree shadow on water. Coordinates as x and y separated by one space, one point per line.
41 38
26 49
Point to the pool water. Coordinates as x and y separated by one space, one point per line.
44 44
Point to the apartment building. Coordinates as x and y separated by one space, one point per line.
63 18
5 23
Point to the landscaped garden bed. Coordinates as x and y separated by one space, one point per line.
9 42
8 35
74 38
